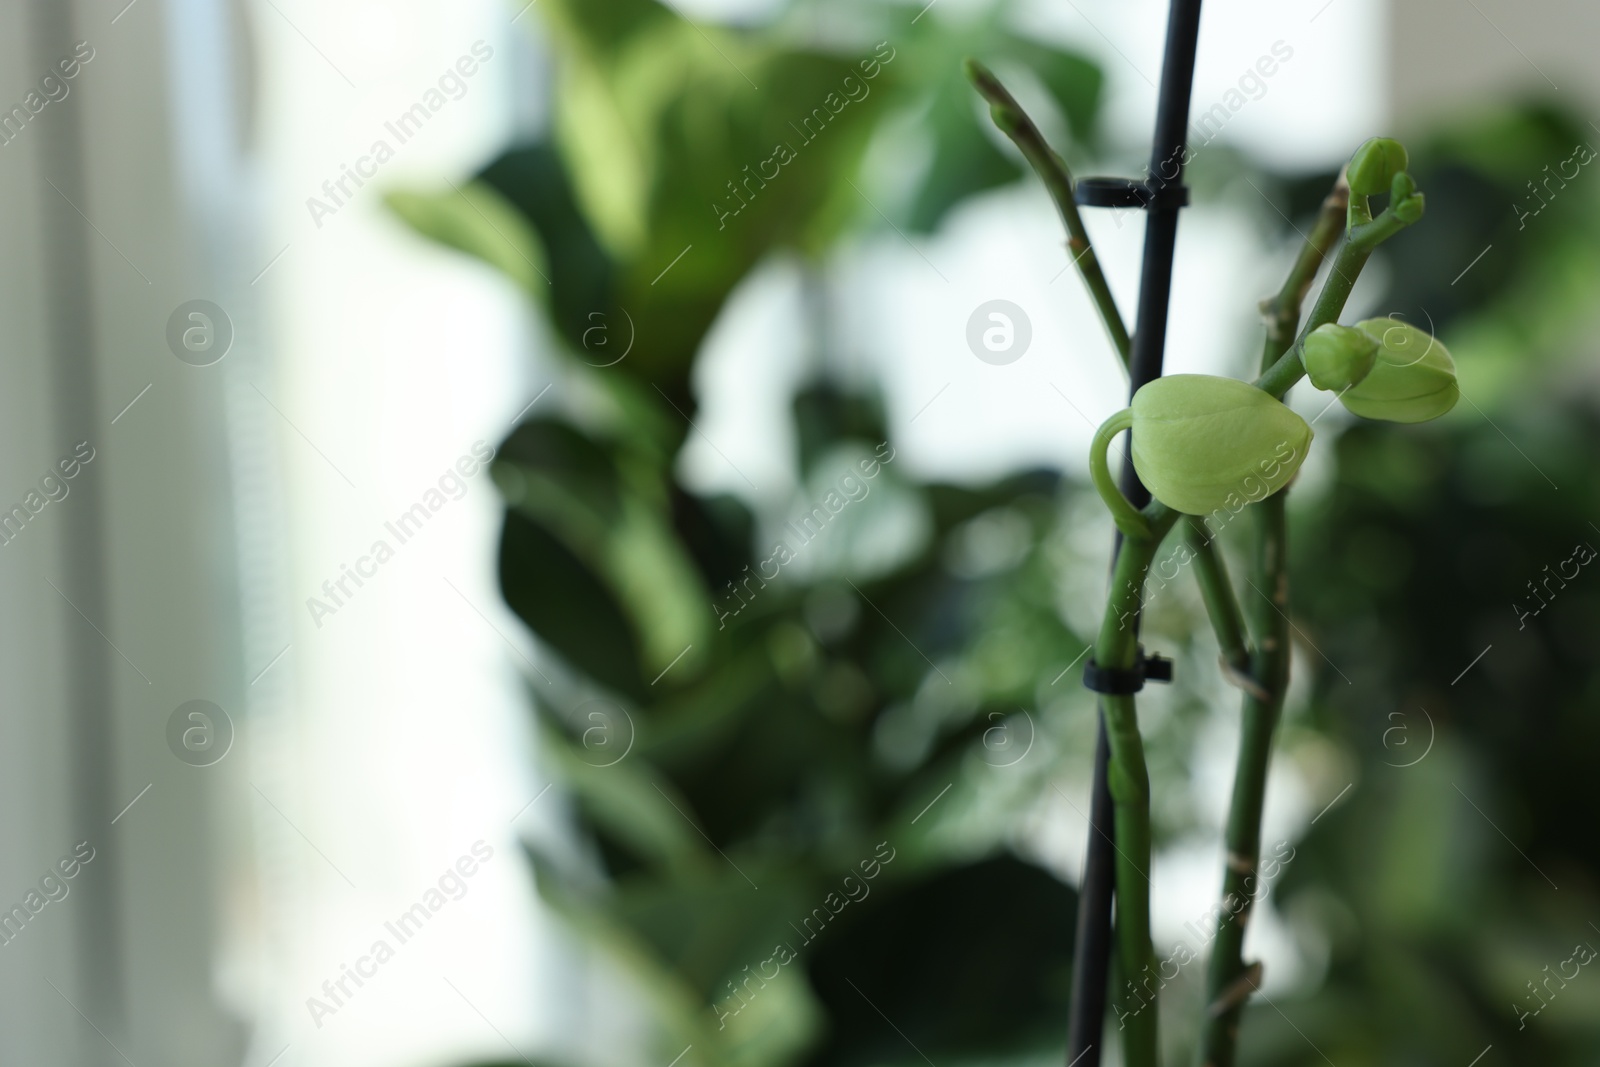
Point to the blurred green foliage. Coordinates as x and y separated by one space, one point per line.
718 730
905 700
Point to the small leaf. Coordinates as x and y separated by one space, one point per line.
478 221
567 605
534 181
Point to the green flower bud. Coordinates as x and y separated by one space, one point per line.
1201 443
1375 165
1337 357
1413 379
1408 210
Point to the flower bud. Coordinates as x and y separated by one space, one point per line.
1375 165
1337 357
1201 443
1408 210
1404 200
1412 380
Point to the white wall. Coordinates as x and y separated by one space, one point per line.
401 738
369 754
120 599
1447 57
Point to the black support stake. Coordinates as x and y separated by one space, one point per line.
1163 197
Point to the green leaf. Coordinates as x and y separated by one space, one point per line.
711 926
600 29
633 804
534 181
575 491
571 609
959 972
688 174
478 221
679 1011
778 1024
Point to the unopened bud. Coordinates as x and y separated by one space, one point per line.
1412 380
1337 357
1375 165
1410 209
1201 441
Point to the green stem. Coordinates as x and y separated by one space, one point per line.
1356 249
1052 171
1282 311
1129 519
1118 647
1228 980
1221 603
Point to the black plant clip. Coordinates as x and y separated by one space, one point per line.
1126 192
1124 681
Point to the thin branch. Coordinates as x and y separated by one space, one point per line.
1052 170
1282 310
1359 243
1269 665
1221 604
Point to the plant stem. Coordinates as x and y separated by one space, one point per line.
1221 603
1052 171
1280 377
1129 519
1118 647
1282 310
1286 367
1228 980
1225 994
